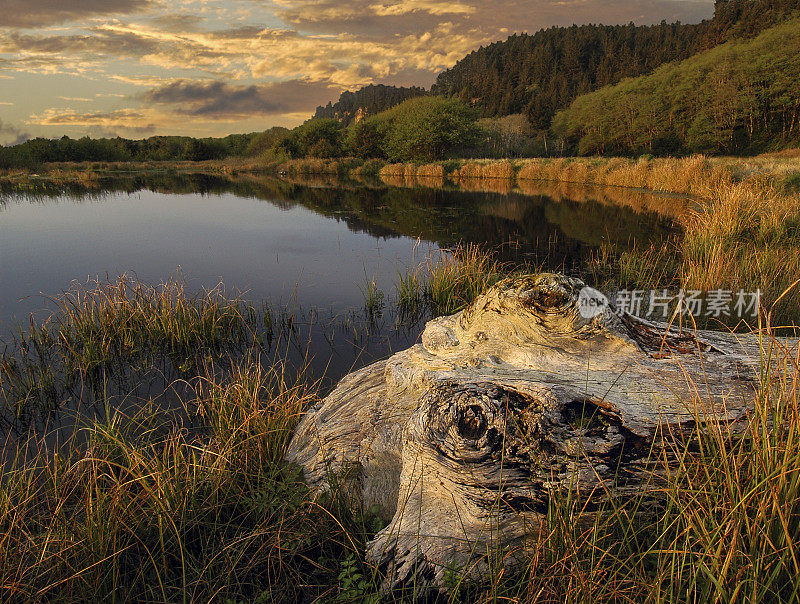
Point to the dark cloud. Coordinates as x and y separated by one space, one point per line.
39 13
218 99
11 135
100 41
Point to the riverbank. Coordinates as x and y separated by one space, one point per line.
741 216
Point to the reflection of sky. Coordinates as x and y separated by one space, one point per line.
251 246
92 67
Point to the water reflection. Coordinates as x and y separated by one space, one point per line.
305 248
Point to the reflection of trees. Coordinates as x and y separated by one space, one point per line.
537 224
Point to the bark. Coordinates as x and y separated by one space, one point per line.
463 439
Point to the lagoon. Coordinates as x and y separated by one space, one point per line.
286 242
320 260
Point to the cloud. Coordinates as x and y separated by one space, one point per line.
233 67
39 13
372 18
105 40
217 99
431 7
177 21
131 120
11 135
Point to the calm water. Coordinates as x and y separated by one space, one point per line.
308 248
272 240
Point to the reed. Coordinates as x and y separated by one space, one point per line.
373 297
433 171
455 277
409 286
149 511
108 327
392 170
746 237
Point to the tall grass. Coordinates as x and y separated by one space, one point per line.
448 280
746 238
154 511
732 522
114 327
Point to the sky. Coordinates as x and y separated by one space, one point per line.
137 68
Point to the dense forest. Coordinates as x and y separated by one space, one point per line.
541 73
740 97
371 99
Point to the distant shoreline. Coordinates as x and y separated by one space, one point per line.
691 176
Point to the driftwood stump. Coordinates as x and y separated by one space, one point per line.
462 439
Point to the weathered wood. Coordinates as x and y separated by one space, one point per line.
462 439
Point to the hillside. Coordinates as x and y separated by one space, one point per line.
740 97
541 73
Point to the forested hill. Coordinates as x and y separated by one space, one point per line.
739 97
542 73
371 99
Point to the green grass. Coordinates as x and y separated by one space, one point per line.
118 328
445 281
373 297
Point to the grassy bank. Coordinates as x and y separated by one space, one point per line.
193 503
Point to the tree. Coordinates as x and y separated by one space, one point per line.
315 138
367 138
740 97
429 128
264 141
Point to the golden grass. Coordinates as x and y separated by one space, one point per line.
696 175
310 166
676 208
393 170
433 171
746 237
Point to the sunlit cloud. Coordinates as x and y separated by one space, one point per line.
432 7
132 120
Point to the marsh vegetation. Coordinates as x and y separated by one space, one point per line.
193 502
